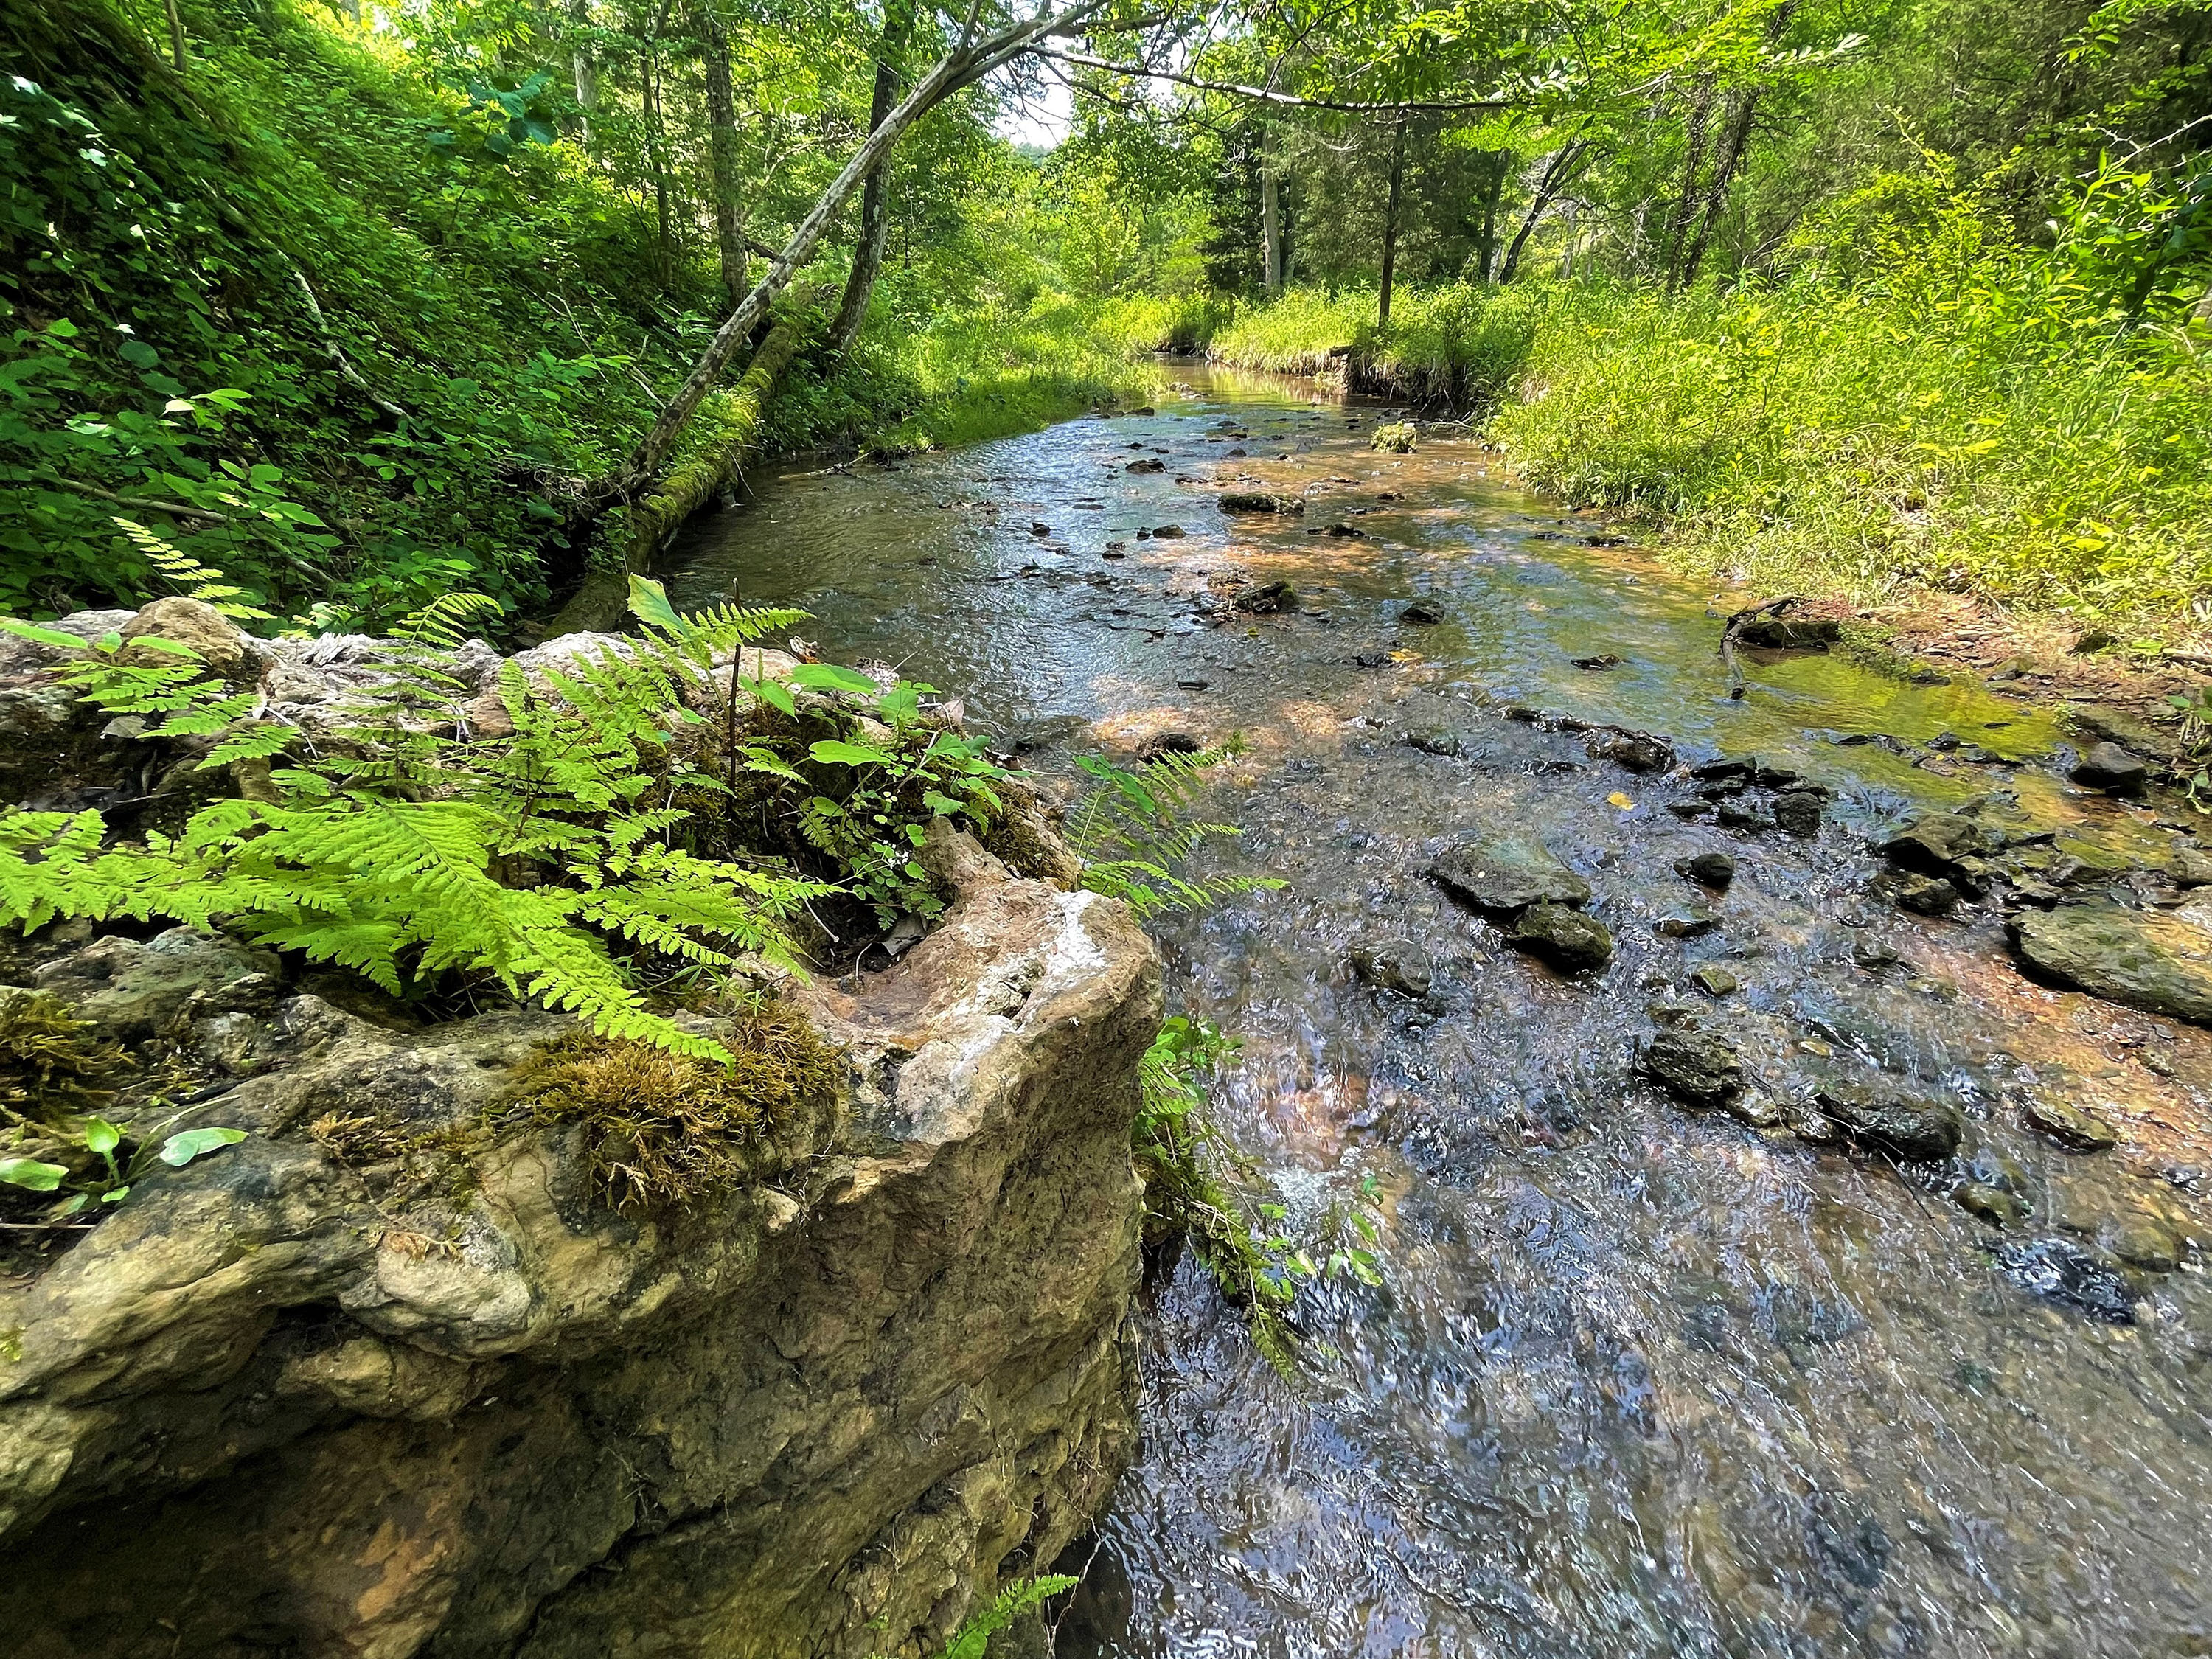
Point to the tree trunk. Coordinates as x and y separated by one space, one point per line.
967 63
177 34
580 63
1487 245
655 157
875 204
722 156
600 602
1271 219
1390 220
1743 105
1694 163
1557 173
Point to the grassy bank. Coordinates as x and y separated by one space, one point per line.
1953 412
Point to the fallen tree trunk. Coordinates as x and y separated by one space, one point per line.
731 423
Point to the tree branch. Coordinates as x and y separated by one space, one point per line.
143 503
1267 95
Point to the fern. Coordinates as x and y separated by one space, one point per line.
197 580
1135 834
973 1639
405 852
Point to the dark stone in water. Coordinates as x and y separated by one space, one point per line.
1926 896
1716 980
1713 870
1798 813
1849 1539
1634 751
1786 633
1150 464
1169 743
1268 600
1437 740
1906 1128
1934 842
1253 500
1689 809
1603 659
1732 816
2068 1125
1774 777
1395 964
2080 1275
1695 1066
1166 533
2143 959
2191 867
1990 1204
1712 770
1507 873
1685 921
1422 613
1372 659
2110 767
1352 530
1569 940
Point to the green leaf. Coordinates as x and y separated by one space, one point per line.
775 694
828 676
180 1149
37 635
834 753
115 1195
648 603
28 1172
100 1136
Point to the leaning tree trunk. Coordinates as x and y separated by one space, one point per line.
1694 163
1556 174
722 155
962 67
1271 217
737 415
875 203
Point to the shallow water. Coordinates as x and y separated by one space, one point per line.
1638 1380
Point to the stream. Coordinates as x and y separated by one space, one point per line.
1638 1380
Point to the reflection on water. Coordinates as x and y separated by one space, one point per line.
1638 1382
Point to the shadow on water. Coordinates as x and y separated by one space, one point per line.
1638 1380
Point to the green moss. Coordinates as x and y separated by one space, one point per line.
52 1067
662 1129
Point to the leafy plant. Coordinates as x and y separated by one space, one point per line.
973 1639
406 852
111 1181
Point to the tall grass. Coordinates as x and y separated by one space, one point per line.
1965 425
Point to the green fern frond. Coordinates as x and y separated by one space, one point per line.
440 623
197 580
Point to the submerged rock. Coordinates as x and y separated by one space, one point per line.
1798 813
1713 870
2068 1125
1422 613
2191 867
1268 600
2145 959
1695 1066
1926 896
1632 751
1933 843
1507 873
1568 940
1393 964
1990 1204
1253 501
2080 1275
1685 921
1716 980
2110 767
1906 1128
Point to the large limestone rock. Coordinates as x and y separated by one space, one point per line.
2144 959
301 1399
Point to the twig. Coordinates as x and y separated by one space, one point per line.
1266 95
47 1226
347 372
1735 623
143 503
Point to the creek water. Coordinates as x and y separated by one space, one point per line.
1637 1380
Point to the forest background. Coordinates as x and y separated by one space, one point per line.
364 305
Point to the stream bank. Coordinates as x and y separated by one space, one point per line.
1644 1377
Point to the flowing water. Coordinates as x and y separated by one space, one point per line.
1637 1380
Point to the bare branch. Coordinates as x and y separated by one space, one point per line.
1267 95
141 503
